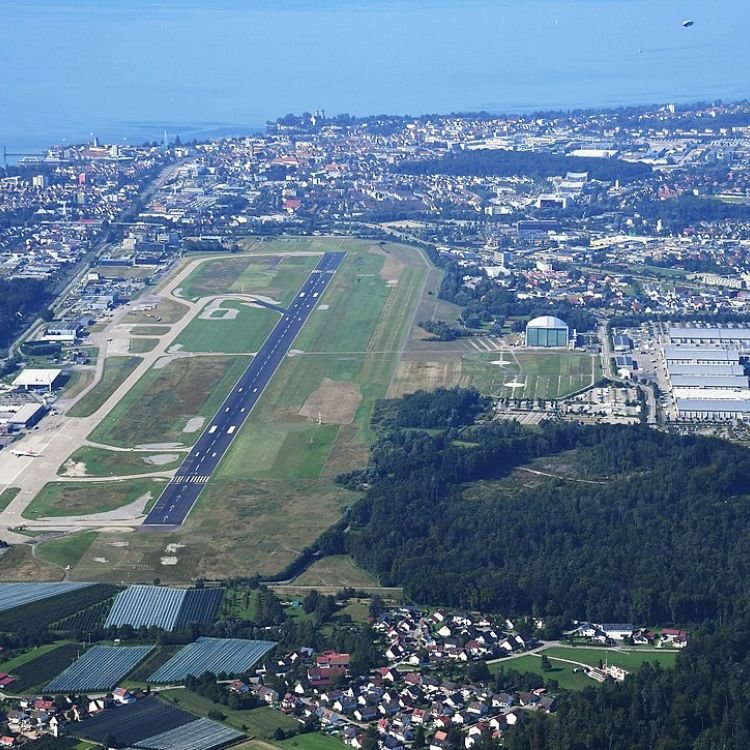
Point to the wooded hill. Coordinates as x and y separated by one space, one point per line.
660 532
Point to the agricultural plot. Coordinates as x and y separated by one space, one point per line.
14 595
201 734
36 672
100 668
170 609
44 612
229 655
133 722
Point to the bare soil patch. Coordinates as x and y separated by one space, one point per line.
334 402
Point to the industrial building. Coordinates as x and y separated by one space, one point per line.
720 336
713 409
717 368
547 331
733 382
44 379
699 355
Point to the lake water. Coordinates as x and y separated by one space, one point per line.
128 69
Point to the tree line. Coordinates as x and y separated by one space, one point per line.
538 165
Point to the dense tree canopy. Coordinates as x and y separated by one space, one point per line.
655 528
534 164
18 298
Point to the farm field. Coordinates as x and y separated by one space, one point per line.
14 595
37 667
230 327
230 655
81 498
99 462
45 612
116 370
259 722
161 405
100 668
169 609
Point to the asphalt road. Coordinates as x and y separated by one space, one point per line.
181 494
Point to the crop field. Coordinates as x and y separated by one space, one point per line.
14 595
159 407
165 608
82 498
233 327
100 668
116 371
139 676
201 734
230 655
87 619
99 462
134 722
44 612
35 672
258 722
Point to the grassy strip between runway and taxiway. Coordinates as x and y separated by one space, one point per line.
116 370
171 402
99 462
229 327
59 499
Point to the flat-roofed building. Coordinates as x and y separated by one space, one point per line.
718 368
725 336
713 409
31 378
699 355
733 382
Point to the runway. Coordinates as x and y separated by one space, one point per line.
181 494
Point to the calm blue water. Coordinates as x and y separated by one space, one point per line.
126 69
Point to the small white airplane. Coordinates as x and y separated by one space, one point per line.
31 454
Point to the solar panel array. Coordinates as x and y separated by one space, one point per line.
161 607
202 734
14 595
229 655
100 668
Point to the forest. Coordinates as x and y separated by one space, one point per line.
653 528
534 164
18 299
